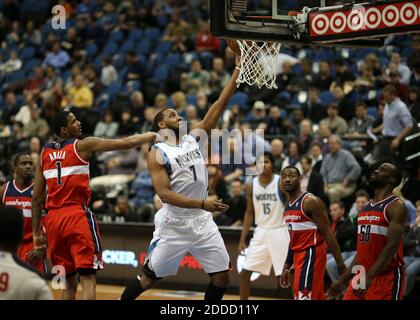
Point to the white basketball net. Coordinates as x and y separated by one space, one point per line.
259 63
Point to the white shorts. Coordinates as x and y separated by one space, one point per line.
268 247
175 236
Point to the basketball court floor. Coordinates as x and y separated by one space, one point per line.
108 292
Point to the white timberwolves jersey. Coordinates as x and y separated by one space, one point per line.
186 170
268 205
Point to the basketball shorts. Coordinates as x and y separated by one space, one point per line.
268 247
309 264
175 236
386 286
23 251
73 239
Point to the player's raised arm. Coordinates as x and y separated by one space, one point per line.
316 208
397 215
94 144
248 218
37 199
160 180
212 116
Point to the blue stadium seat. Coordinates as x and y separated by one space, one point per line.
130 87
152 34
163 47
239 98
114 88
136 35
192 99
162 20
161 73
27 53
116 36
326 97
173 59
31 64
373 112
91 50
144 47
110 49
127 46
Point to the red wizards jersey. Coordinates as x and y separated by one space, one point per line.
66 173
21 199
303 231
372 235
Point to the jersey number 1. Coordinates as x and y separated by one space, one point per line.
58 165
192 168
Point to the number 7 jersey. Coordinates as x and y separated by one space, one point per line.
186 170
66 175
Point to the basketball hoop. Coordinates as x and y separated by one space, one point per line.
258 63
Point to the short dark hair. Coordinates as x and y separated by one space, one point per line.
390 89
340 204
11 226
267 154
362 193
59 121
361 104
291 167
18 156
307 158
156 119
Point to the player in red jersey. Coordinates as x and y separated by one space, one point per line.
310 234
18 193
379 254
72 232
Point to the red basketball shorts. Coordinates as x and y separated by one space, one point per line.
309 264
386 286
73 239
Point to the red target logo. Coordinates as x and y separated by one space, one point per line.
372 18
338 22
409 13
320 24
355 20
390 16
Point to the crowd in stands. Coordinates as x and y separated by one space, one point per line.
336 112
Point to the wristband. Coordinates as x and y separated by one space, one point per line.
237 68
202 204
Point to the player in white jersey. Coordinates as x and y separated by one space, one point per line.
18 281
270 243
185 223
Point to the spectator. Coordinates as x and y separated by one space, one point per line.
134 68
24 114
233 164
304 80
257 115
311 181
324 134
37 126
22 282
402 68
143 192
34 83
205 41
342 74
345 231
293 157
316 156
123 212
340 171
161 101
217 184
306 136
219 77
179 101
313 109
177 27
12 65
336 124
108 72
276 125
79 95
359 125
10 109
277 148
196 79
149 114
73 45
323 80
107 127
344 102
414 102
237 205
92 80
362 198
127 126
58 58
397 124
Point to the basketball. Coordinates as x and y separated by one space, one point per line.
234 46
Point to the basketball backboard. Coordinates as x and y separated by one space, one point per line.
323 22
